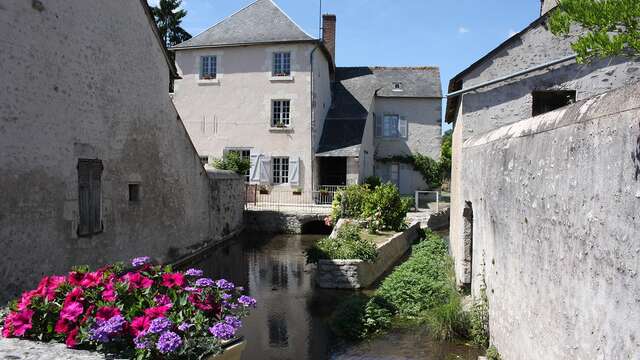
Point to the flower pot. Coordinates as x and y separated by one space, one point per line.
297 193
232 351
264 192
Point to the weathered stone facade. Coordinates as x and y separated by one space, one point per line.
556 204
89 80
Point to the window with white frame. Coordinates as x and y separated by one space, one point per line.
280 113
245 154
281 64
280 170
391 126
208 67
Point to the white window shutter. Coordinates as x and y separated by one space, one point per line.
402 127
265 170
254 171
294 171
378 120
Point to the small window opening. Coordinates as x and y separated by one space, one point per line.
467 214
204 160
546 101
90 196
397 86
134 192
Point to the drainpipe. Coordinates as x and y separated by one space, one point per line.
312 125
504 78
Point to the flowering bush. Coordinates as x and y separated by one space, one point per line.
148 312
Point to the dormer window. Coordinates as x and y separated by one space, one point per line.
281 64
397 86
208 67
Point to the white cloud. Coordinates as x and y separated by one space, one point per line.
512 32
463 30
153 2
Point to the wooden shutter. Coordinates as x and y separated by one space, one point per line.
402 127
254 171
294 172
378 120
265 170
89 196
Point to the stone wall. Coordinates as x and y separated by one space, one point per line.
89 80
555 204
276 222
357 274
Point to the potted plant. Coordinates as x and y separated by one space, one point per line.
297 191
280 124
263 189
144 312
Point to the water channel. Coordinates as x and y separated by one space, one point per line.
291 321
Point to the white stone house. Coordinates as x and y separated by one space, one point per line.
256 83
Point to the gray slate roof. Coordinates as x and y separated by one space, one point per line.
353 93
261 22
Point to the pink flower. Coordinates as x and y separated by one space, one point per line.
137 281
48 286
75 295
106 313
109 293
172 280
8 325
207 305
21 322
25 299
87 314
139 324
72 338
158 311
71 311
91 279
63 326
75 278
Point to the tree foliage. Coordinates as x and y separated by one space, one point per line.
168 17
611 27
234 162
445 155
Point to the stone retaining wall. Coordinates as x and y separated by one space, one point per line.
274 222
357 274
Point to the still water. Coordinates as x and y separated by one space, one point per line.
291 321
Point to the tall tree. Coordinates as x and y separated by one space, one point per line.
611 27
168 16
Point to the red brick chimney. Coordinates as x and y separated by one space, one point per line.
329 34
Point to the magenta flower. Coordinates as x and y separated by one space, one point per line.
137 281
71 311
106 313
172 280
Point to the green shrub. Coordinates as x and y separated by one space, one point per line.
385 204
429 168
373 182
448 321
445 155
232 161
493 354
423 281
348 244
479 320
359 317
409 202
349 202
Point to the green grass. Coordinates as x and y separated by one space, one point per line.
348 244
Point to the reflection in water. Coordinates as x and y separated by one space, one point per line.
291 321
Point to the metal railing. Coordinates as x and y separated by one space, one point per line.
288 200
432 200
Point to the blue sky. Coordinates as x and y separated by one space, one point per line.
450 34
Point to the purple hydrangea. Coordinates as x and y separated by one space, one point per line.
139 261
168 342
247 301
234 321
185 326
141 342
159 325
204 282
194 272
226 296
106 329
222 331
223 284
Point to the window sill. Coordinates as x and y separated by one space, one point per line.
281 129
209 82
281 78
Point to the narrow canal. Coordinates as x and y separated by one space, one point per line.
292 318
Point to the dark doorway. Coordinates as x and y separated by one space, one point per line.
333 171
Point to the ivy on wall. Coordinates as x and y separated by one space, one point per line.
426 166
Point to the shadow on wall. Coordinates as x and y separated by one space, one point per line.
544 81
636 157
